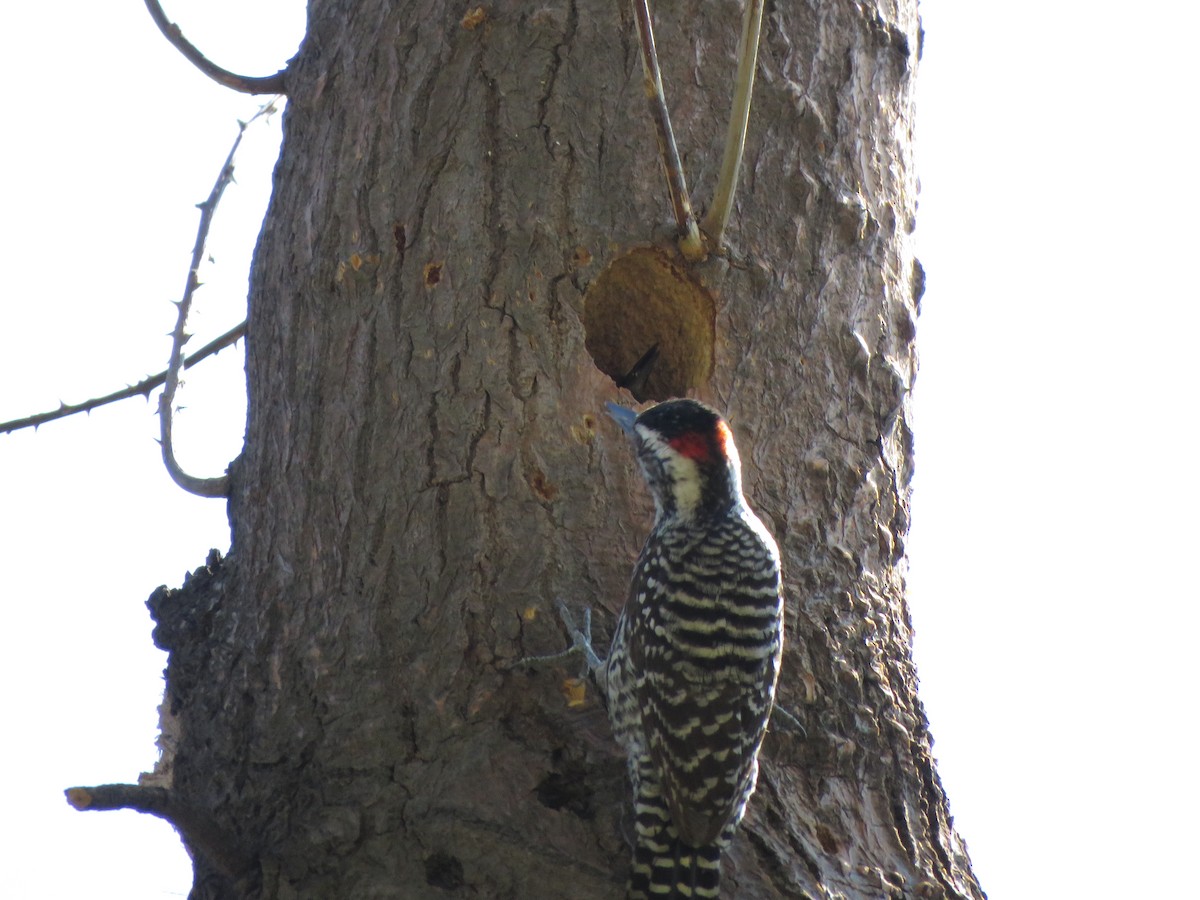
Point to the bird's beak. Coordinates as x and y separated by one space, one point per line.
623 417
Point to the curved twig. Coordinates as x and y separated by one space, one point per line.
197 828
141 389
739 116
689 234
269 84
204 487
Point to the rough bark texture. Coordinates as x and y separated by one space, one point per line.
427 468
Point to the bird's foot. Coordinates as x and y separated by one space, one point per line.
581 641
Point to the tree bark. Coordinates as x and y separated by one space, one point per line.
427 469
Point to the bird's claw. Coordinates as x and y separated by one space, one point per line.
581 641
581 638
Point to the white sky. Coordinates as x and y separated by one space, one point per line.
1054 526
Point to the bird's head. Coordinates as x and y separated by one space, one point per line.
687 454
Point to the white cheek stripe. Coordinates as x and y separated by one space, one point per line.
686 478
684 474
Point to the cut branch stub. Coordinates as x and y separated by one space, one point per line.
645 297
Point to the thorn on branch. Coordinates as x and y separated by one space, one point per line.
269 84
141 389
212 487
203 487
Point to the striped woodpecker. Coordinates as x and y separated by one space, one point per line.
690 678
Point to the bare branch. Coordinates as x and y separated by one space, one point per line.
141 389
269 84
718 214
197 828
106 797
204 487
689 234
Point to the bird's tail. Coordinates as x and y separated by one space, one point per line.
664 867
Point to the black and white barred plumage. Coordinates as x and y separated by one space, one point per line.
690 678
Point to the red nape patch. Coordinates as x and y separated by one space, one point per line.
693 445
724 437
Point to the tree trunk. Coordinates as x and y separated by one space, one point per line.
426 468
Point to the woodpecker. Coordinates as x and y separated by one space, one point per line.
690 677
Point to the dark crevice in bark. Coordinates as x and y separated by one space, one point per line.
933 802
560 52
491 139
